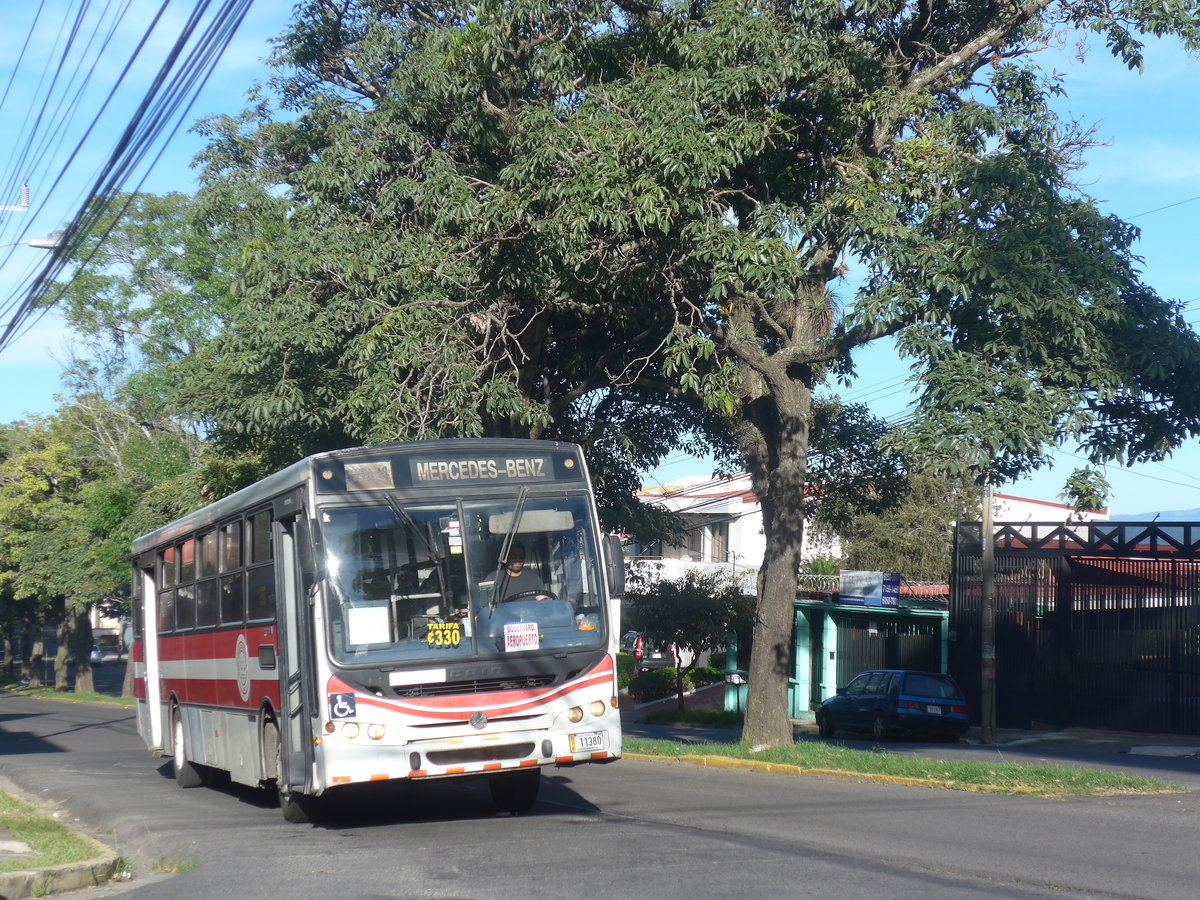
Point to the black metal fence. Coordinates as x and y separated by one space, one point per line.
1097 626
886 643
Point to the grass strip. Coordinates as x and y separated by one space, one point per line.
1042 779
9 683
52 842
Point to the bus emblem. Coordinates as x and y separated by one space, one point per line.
479 720
243 668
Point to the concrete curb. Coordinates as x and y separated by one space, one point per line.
40 882
727 762
56 879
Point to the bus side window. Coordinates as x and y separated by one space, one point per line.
206 603
187 561
168 574
206 562
231 546
260 583
166 611
185 607
233 599
260 537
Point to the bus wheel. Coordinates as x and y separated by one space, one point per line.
515 792
187 775
296 808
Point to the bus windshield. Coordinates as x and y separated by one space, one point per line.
431 583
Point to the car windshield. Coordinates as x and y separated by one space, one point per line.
438 582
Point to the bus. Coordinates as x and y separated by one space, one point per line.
351 619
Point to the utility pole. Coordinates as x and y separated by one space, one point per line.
987 615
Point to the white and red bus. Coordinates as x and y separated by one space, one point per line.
348 620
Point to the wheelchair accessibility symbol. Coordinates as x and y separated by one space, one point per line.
341 706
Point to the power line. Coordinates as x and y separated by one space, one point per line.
162 110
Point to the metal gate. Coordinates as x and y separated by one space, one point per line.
885 642
1097 625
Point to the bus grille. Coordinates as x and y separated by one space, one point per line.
466 755
474 686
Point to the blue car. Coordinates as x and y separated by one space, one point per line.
885 702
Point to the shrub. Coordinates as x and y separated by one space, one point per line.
626 669
653 685
660 683
702 675
717 660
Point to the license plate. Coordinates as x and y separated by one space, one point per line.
933 710
588 740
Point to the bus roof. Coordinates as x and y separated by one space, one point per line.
298 473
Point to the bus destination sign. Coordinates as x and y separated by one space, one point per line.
487 469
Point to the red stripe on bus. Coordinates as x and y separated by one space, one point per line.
499 703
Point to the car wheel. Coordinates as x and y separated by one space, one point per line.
186 774
824 726
879 728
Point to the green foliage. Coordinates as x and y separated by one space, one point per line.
526 219
626 670
822 565
654 685
847 474
915 538
695 613
658 684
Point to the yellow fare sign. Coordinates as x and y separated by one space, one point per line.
443 634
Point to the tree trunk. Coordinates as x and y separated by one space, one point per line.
35 658
82 642
767 715
778 473
64 632
10 647
127 684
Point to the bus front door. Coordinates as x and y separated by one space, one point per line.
296 663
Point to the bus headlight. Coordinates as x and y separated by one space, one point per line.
596 708
375 732
574 715
350 730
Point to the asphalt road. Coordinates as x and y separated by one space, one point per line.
634 828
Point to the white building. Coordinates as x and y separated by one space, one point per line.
724 522
1006 508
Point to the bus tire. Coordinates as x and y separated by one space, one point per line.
187 775
297 808
515 792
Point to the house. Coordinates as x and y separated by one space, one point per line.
723 520
834 637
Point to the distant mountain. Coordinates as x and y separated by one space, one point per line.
1175 515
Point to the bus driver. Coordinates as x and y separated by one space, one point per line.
517 582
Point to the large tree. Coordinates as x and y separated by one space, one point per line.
499 209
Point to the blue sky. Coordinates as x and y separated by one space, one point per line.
1147 170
